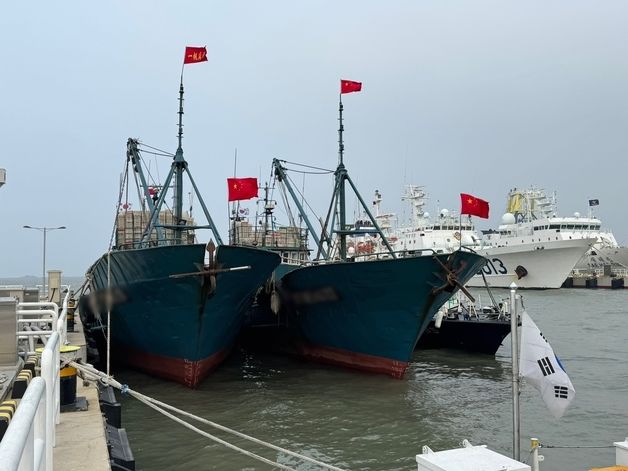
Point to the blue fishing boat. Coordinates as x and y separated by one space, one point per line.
175 306
369 315
362 311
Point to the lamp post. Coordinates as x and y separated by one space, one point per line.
44 230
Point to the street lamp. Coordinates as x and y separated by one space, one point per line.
44 230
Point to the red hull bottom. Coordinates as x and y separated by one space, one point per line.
187 372
354 360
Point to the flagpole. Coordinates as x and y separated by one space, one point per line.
514 337
460 230
234 206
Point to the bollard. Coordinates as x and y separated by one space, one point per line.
67 385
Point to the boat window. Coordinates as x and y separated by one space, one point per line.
554 226
570 227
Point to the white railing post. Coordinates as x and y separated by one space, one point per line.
50 374
43 446
61 325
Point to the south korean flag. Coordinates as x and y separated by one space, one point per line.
542 369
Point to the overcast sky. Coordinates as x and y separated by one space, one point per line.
460 96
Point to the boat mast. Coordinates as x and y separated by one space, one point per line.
179 165
268 212
341 175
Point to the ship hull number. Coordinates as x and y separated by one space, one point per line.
494 266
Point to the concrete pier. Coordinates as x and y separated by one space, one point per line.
81 442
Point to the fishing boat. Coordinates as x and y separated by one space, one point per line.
459 324
364 313
175 306
516 252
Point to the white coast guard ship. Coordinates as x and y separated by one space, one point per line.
514 252
532 209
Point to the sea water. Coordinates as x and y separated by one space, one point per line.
360 421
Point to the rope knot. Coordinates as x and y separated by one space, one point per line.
124 389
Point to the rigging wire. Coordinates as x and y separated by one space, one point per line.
303 198
324 170
308 173
156 153
155 148
286 202
120 192
155 182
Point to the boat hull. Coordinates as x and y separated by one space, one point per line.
472 335
368 315
546 264
598 258
177 328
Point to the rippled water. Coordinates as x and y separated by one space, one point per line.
366 422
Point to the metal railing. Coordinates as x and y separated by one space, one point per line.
40 320
25 445
30 437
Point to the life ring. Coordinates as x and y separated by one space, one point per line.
366 247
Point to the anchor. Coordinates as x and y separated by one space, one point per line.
451 279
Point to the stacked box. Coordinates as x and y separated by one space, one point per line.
130 227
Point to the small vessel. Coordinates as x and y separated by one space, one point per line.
365 313
460 325
515 252
175 305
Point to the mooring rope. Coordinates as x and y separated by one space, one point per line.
95 375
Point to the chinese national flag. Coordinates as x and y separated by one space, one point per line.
241 188
474 206
348 86
195 54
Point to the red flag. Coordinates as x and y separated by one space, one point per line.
348 86
473 206
195 54
241 188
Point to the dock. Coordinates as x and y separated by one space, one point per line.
81 441
607 278
51 418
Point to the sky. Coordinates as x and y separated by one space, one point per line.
475 97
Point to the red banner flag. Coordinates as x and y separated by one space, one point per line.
195 54
348 86
474 206
241 188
